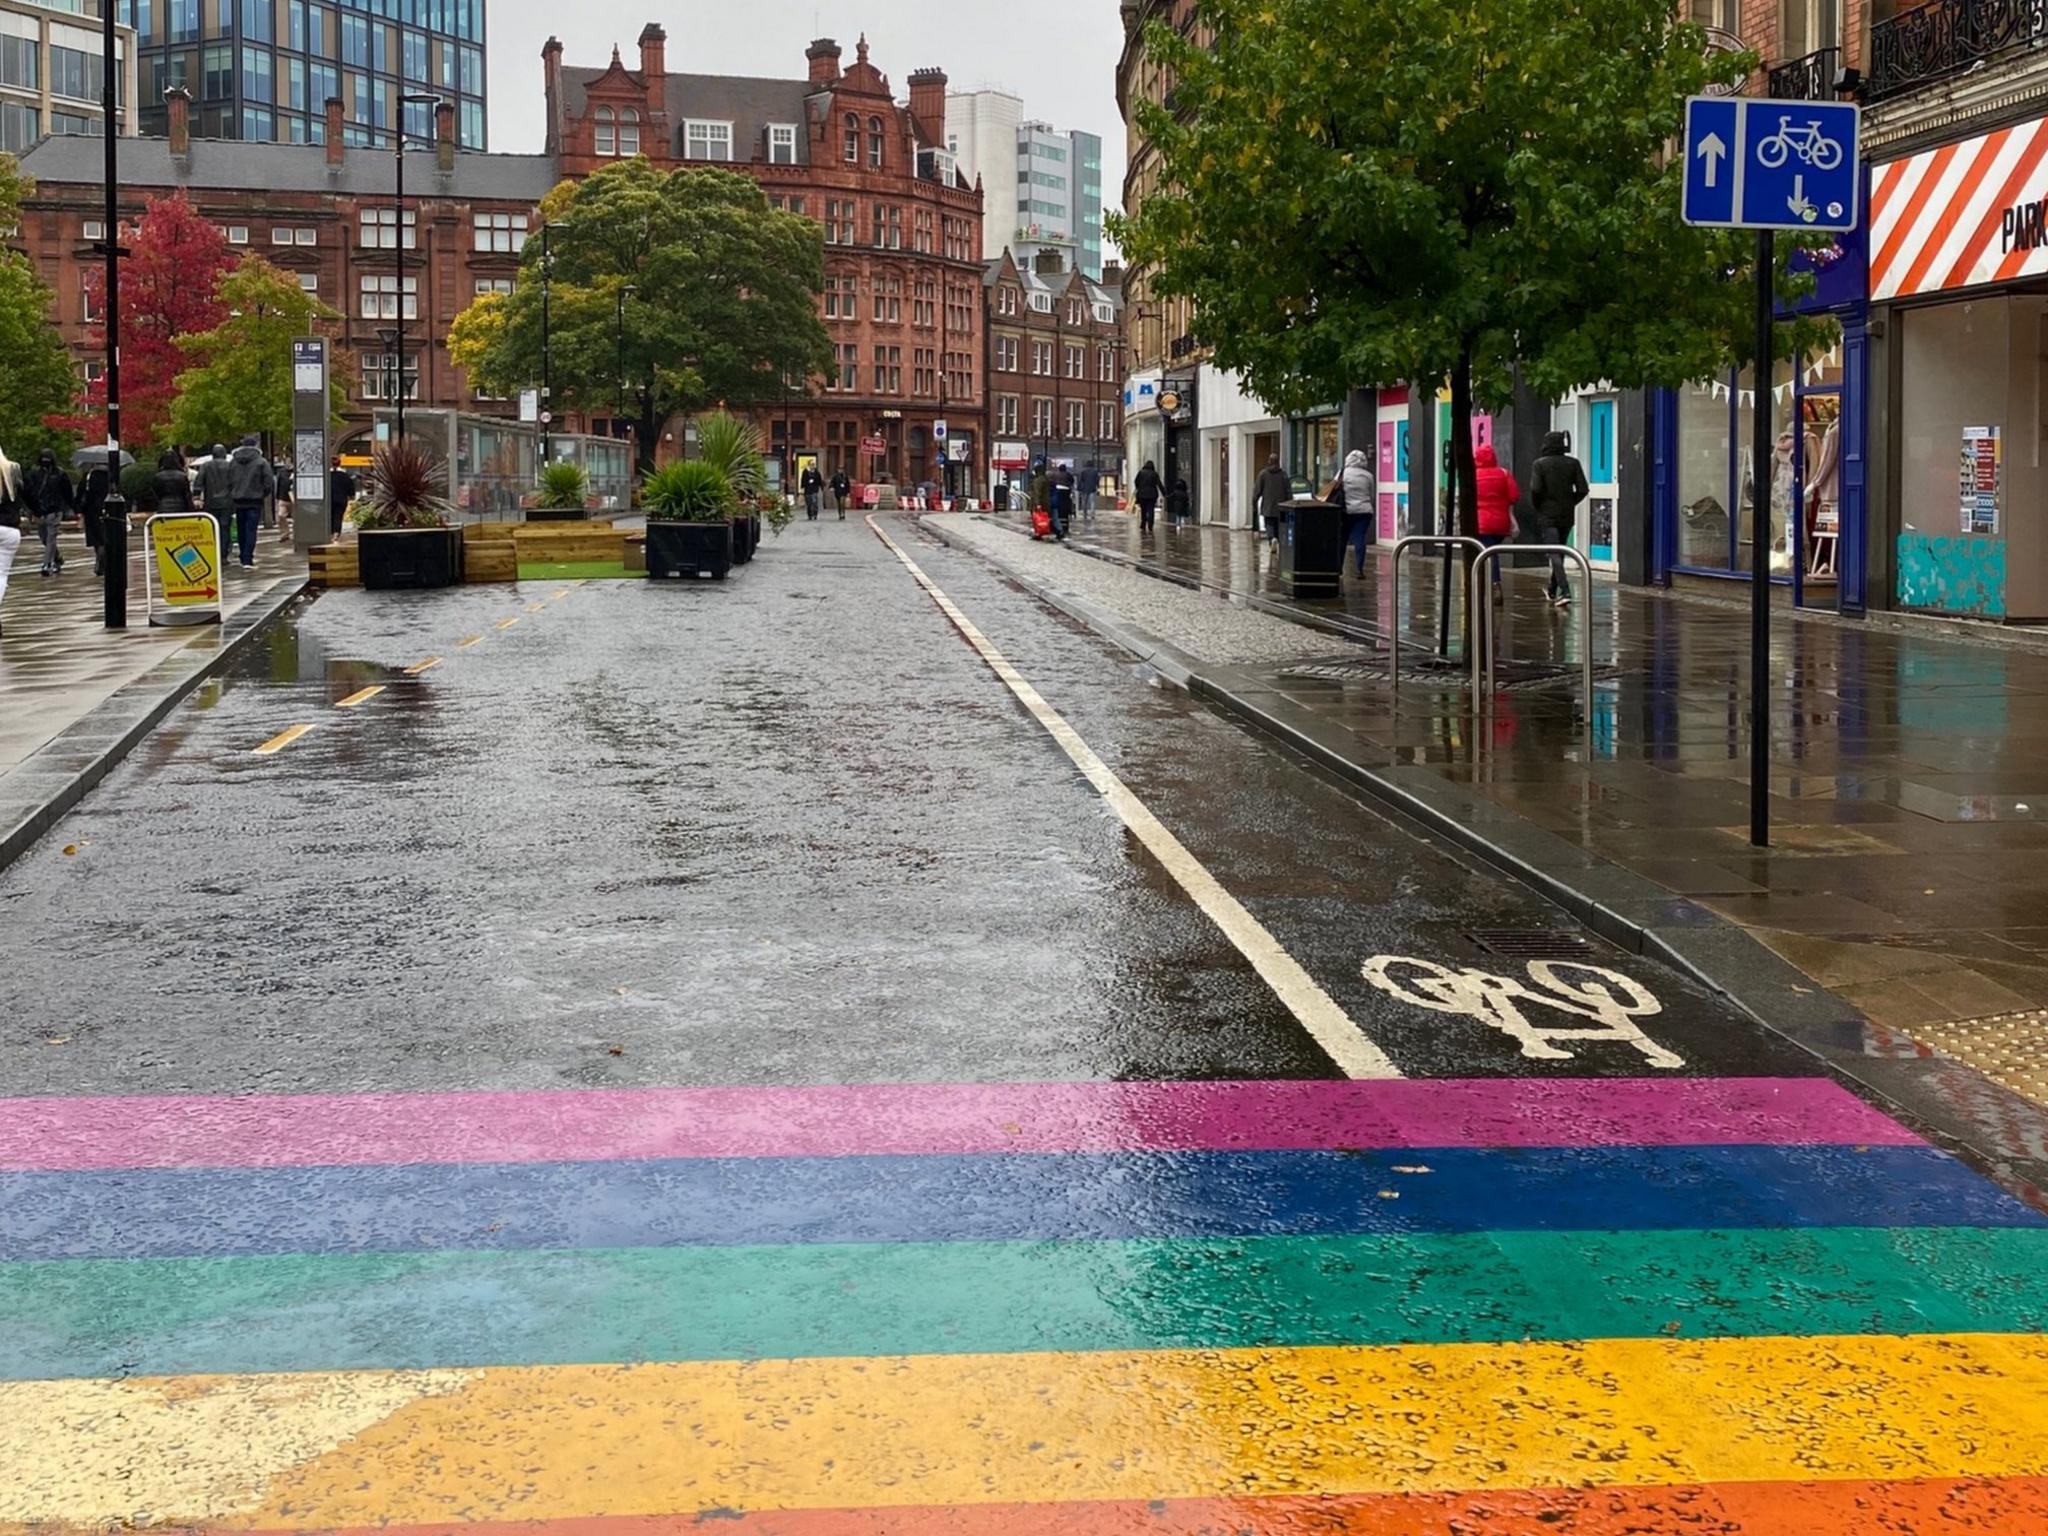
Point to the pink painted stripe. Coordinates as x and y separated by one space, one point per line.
608 1124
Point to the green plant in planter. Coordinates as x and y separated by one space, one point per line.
564 487
732 445
776 511
687 491
403 488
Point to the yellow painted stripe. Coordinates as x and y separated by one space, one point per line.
324 1449
506 623
360 696
535 607
280 741
421 666
468 641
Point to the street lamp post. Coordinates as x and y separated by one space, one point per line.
114 511
546 359
398 138
619 357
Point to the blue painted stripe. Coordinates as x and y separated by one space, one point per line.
165 1213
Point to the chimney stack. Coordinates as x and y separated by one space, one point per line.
653 55
334 141
444 135
928 105
551 92
178 102
824 57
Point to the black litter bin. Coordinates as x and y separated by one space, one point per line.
1002 498
1311 548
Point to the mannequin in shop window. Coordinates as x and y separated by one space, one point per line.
1823 491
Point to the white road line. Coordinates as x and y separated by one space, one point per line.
1327 1024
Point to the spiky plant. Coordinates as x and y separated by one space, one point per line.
687 491
732 445
564 487
403 488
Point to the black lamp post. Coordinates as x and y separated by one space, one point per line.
398 138
619 355
114 511
547 264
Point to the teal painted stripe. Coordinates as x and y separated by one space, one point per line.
97 1317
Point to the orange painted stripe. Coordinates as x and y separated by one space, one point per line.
2022 171
1881 261
1930 249
1958 1507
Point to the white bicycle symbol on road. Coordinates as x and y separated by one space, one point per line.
1811 144
1609 1001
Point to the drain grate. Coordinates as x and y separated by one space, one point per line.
1532 943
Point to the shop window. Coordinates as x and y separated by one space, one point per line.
1954 409
1716 481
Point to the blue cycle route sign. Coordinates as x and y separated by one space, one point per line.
1755 163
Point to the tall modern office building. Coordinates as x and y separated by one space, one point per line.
50 71
1042 186
264 69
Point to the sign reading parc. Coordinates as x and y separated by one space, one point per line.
1961 215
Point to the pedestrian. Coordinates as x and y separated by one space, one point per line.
1146 488
1556 487
251 483
10 520
813 487
341 490
841 489
173 485
284 495
1356 492
1059 487
1086 488
50 496
1271 491
1495 496
1178 501
216 494
92 502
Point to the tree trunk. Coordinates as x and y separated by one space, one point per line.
647 437
1465 471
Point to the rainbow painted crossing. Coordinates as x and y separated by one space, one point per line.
1577 1307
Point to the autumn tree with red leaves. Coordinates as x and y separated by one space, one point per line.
170 287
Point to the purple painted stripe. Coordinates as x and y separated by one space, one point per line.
606 1124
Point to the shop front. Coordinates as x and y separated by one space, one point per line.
1959 278
1591 423
1144 427
1238 435
1705 480
1009 473
1315 449
1390 419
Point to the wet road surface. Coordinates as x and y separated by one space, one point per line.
708 1055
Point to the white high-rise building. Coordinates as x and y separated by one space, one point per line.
981 130
1041 186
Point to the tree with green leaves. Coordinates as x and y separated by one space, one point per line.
723 300
1358 195
37 380
240 378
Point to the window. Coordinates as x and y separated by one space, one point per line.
305 235
323 84
1105 424
93 229
1073 311
380 370
280 237
889 301
415 59
852 139
629 132
706 140
183 21
840 303
20 126
309 282
1041 358
1041 418
1105 314
500 232
499 285
878 227
923 241
355 41
1105 365
20 61
924 372
1042 302
782 144
1077 363
1006 413
381 294
237 234
74 73
1077 420
895 229
849 367
1810 25
1715 13
379 228
875 142
606 139
1006 301
94 311
1006 353
258 21
888 370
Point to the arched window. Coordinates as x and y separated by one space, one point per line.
875 142
852 139
607 142
629 131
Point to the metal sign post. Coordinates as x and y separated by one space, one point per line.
311 524
1756 163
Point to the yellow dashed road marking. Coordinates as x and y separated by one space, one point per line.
420 666
466 643
360 696
506 623
280 741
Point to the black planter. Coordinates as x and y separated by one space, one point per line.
754 532
689 549
1311 548
558 514
742 540
395 558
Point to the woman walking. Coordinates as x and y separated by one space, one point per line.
10 521
173 485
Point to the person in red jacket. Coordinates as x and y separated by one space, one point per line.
1496 498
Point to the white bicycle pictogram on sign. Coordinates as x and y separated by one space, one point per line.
1611 1000
1810 143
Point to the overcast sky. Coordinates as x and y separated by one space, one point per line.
1058 55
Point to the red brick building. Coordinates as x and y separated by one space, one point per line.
323 211
1055 365
902 231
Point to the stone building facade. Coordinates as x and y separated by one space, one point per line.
1055 366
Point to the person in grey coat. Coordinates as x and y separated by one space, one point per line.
251 482
1271 491
217 496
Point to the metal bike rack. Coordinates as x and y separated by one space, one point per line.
1394 622
1482 619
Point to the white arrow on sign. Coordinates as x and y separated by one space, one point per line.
1801 208
1712 150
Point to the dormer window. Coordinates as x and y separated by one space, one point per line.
629 131
607 135
782 143
706 140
